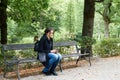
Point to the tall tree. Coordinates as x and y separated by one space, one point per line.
88 22
3 23
107 14
106 17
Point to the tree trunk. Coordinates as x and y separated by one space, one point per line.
106 17
106 33
89 10
3 22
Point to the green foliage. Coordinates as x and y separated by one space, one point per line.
28 18
24 18
26 10
31 16
70 18
50 17
84 41
73 16
21 30
115 11
107 47
109 9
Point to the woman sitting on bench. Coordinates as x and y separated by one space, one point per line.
52 55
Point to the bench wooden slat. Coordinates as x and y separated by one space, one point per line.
28 46
27 60
17 46
10 63
73 55
70 55
60 44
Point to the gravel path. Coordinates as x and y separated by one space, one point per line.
101 69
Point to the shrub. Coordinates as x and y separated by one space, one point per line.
84 41
107 47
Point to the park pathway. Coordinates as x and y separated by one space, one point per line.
101 69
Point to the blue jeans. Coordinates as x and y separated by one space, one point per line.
54 59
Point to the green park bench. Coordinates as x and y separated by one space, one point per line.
8 61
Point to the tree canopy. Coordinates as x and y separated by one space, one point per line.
28 18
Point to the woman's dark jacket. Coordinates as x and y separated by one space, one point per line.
45 45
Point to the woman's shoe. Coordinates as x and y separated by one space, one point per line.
54 73
46 73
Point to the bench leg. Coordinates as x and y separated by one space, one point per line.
78 59
89 60
60 66
5 71
84 56
18 75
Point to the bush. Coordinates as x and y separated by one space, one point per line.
84 41
107 47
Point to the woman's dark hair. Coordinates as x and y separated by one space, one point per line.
48 30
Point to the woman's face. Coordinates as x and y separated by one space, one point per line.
51 33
